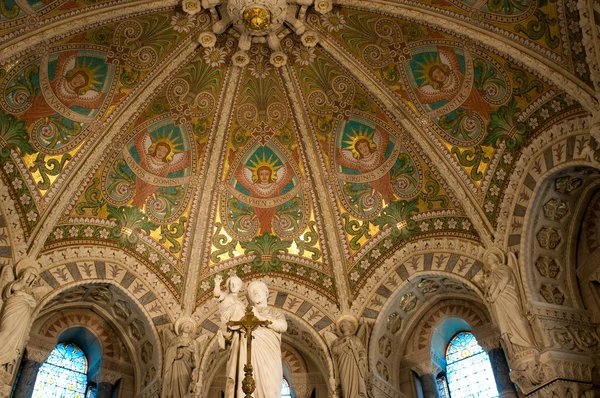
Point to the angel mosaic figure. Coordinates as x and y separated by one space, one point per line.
182 359
365 153
18 302
74 85
504 291
445 81
350 355
160 159
263 184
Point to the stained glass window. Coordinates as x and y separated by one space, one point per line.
63 374
285 389
442 385
468 369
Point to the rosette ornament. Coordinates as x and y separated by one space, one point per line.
258 21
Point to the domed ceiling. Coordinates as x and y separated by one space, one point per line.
396 122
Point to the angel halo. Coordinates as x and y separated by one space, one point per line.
182 321
349 318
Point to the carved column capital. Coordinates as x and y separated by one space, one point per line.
37 354
532 372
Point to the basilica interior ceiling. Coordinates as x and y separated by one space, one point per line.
319 163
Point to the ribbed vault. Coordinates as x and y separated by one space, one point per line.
399 129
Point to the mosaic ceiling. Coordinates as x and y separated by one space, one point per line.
120 130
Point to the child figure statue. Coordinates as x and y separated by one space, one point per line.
228 301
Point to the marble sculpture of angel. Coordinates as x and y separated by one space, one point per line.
182 359
350 356
18 300
504 293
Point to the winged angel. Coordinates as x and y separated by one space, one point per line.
350 356
182 359
17 301
504 291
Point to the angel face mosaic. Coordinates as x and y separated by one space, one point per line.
478 107
140 197
266 220
58 99
383 181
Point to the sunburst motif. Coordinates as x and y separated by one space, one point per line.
422 72
94 81
353 139
257 163
169 138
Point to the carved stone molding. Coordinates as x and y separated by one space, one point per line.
382 389
151 391
564 388
38 350
508 222
532 372
565 329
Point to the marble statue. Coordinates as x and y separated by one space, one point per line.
181 359
504 293
266 347
350 356
229 299
17 305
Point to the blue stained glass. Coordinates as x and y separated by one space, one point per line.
468 369
63 375
285 389
442 385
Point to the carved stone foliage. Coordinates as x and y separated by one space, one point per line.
547 266
548 238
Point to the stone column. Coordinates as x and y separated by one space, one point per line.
506 388
26 381
429 384
105 390
30 365
106 383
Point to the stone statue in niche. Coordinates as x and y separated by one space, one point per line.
181 359
266 346
18 300
350 355
504 292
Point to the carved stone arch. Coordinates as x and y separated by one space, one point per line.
293 359
547 252
128 314
471 311
564 142
446 256
89 264
392 340
75 21
57 322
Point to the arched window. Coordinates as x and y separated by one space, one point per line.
64 374
286 392
468 369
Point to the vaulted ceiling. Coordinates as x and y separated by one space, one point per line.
402 124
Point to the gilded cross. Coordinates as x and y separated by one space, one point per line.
247 324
